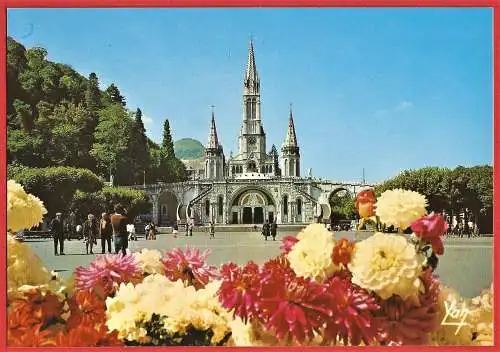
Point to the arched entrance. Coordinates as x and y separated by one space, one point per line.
342 208
167 206
252 206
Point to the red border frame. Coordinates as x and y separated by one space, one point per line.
495 4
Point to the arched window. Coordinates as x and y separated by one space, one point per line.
270 169
232 169
207 207
299 206
220 205
285 205
262 169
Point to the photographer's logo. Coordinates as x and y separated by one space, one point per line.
456 315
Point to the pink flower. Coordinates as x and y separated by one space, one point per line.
189 266
239 289
288 243
106 272
353 318
293 307
430 228
409 322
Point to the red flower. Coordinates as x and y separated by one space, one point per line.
288 243
34 307
32 338
430 228
353 308
365 203
189 266
278 267
87 308
107 271
86 336
408 322
293 307
342 252
239 289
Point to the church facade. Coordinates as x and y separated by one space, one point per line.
258 184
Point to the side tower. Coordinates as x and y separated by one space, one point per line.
290 154
214 154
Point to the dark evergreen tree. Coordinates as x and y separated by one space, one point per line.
112 95
168 144
93 97
139 150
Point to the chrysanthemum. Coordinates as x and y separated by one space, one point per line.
388 265
481 317
400 207
313 230
295 309
106 272
239 289
87 308
352 322
23 210
311 257
189 266
410 322
149 261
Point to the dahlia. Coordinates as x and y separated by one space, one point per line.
32 338
365 203
189 266
35 307
311 257
87 308
106 272
342 252
388 265
400 207
23 210
288 243
87 336
410 323
149 261
353 308
430 228
313 230
481 317
295 309
239 289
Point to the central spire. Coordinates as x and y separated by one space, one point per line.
213 141
251 81
291 137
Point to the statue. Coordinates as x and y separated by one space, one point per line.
309 173
111 180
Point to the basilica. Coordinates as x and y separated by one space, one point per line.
258 184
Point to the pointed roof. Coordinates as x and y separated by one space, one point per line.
251 71
291 137
213 141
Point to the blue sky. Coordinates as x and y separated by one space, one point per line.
380 89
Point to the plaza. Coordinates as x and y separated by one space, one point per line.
466 266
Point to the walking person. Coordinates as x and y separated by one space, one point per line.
57 231
191 225
175 229
90 233
152 231
119 225
212 230
265 229
274 229
106 231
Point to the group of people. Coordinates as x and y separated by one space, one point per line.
269 229
109 228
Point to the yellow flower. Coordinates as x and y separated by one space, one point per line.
149 261
400 207
448 335
24 267
311 256
23 210
481 318
388 265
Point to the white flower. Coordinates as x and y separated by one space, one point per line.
149 261
23 210
400 207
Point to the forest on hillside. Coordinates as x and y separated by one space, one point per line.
58 117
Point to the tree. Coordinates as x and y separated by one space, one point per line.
168 144
111 146
16 64
112 95
139 148
93 97
55 186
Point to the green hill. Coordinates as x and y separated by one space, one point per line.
188 149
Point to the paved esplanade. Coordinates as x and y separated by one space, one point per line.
467 264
